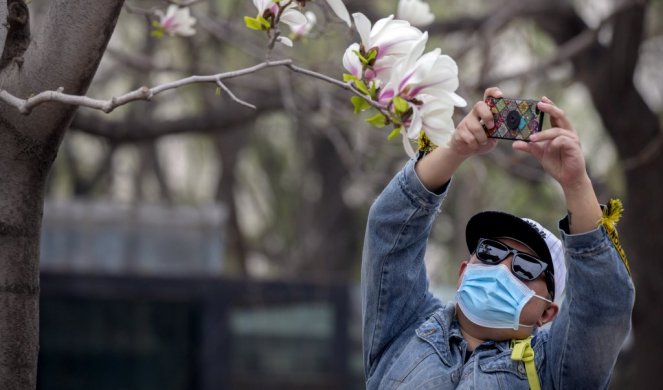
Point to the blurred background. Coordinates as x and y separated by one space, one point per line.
193 243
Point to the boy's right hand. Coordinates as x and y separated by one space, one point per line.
470 137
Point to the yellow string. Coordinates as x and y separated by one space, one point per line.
522 351
611 215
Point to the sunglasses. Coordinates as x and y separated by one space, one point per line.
523 265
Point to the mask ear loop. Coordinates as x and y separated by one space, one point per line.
540 297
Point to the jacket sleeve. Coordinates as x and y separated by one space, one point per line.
586 337
394 285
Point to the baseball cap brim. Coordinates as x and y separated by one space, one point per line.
495 224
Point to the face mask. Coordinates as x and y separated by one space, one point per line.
491 296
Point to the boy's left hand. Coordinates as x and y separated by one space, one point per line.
558 148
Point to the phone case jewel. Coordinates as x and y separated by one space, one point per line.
515 119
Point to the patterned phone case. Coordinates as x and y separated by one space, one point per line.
515 119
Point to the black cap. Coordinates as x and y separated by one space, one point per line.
495 224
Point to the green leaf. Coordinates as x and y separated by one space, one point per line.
252 23
372 54
264 22
347 77
360 104
377 120
363 60
394 133
373 90
361 86
400 104
218 91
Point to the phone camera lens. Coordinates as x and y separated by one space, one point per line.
513 120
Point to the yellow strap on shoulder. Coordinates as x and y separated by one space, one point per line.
522 351
611 215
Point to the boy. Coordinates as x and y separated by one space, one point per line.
490 337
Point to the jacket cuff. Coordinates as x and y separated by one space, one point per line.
582 242
416 191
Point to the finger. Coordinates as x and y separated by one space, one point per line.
552 133
482 111
479 133
521 146
492 91
475 126
468 137
557 116
531 148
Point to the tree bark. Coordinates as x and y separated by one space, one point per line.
64 52
608 73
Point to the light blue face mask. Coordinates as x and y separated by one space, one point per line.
492 297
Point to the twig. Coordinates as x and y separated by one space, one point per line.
185 3
348 86
232 95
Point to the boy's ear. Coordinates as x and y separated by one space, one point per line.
461 270
548 315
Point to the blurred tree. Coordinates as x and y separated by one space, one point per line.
63 51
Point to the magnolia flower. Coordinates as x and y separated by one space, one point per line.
434 118
339 9
431 74
302 30
351 61
389 39
290 16
417 12
176 21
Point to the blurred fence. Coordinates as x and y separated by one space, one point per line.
124 332
133 297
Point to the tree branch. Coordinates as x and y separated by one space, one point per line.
25 106
566 51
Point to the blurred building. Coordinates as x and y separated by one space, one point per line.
134 297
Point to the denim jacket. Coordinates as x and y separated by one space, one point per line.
412 341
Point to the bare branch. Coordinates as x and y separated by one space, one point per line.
185 3
347 86
142 93
25 106
232 95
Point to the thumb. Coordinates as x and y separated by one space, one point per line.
531 148
522 146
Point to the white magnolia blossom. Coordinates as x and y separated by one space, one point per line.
177 21
302 30
434 118
431 74
417 12
339 9
290 16
428 83
284 40
351 62
391 39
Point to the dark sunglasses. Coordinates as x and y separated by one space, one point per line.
523 265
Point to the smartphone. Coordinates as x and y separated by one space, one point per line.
515 119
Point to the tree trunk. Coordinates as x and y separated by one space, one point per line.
64 52
608 72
